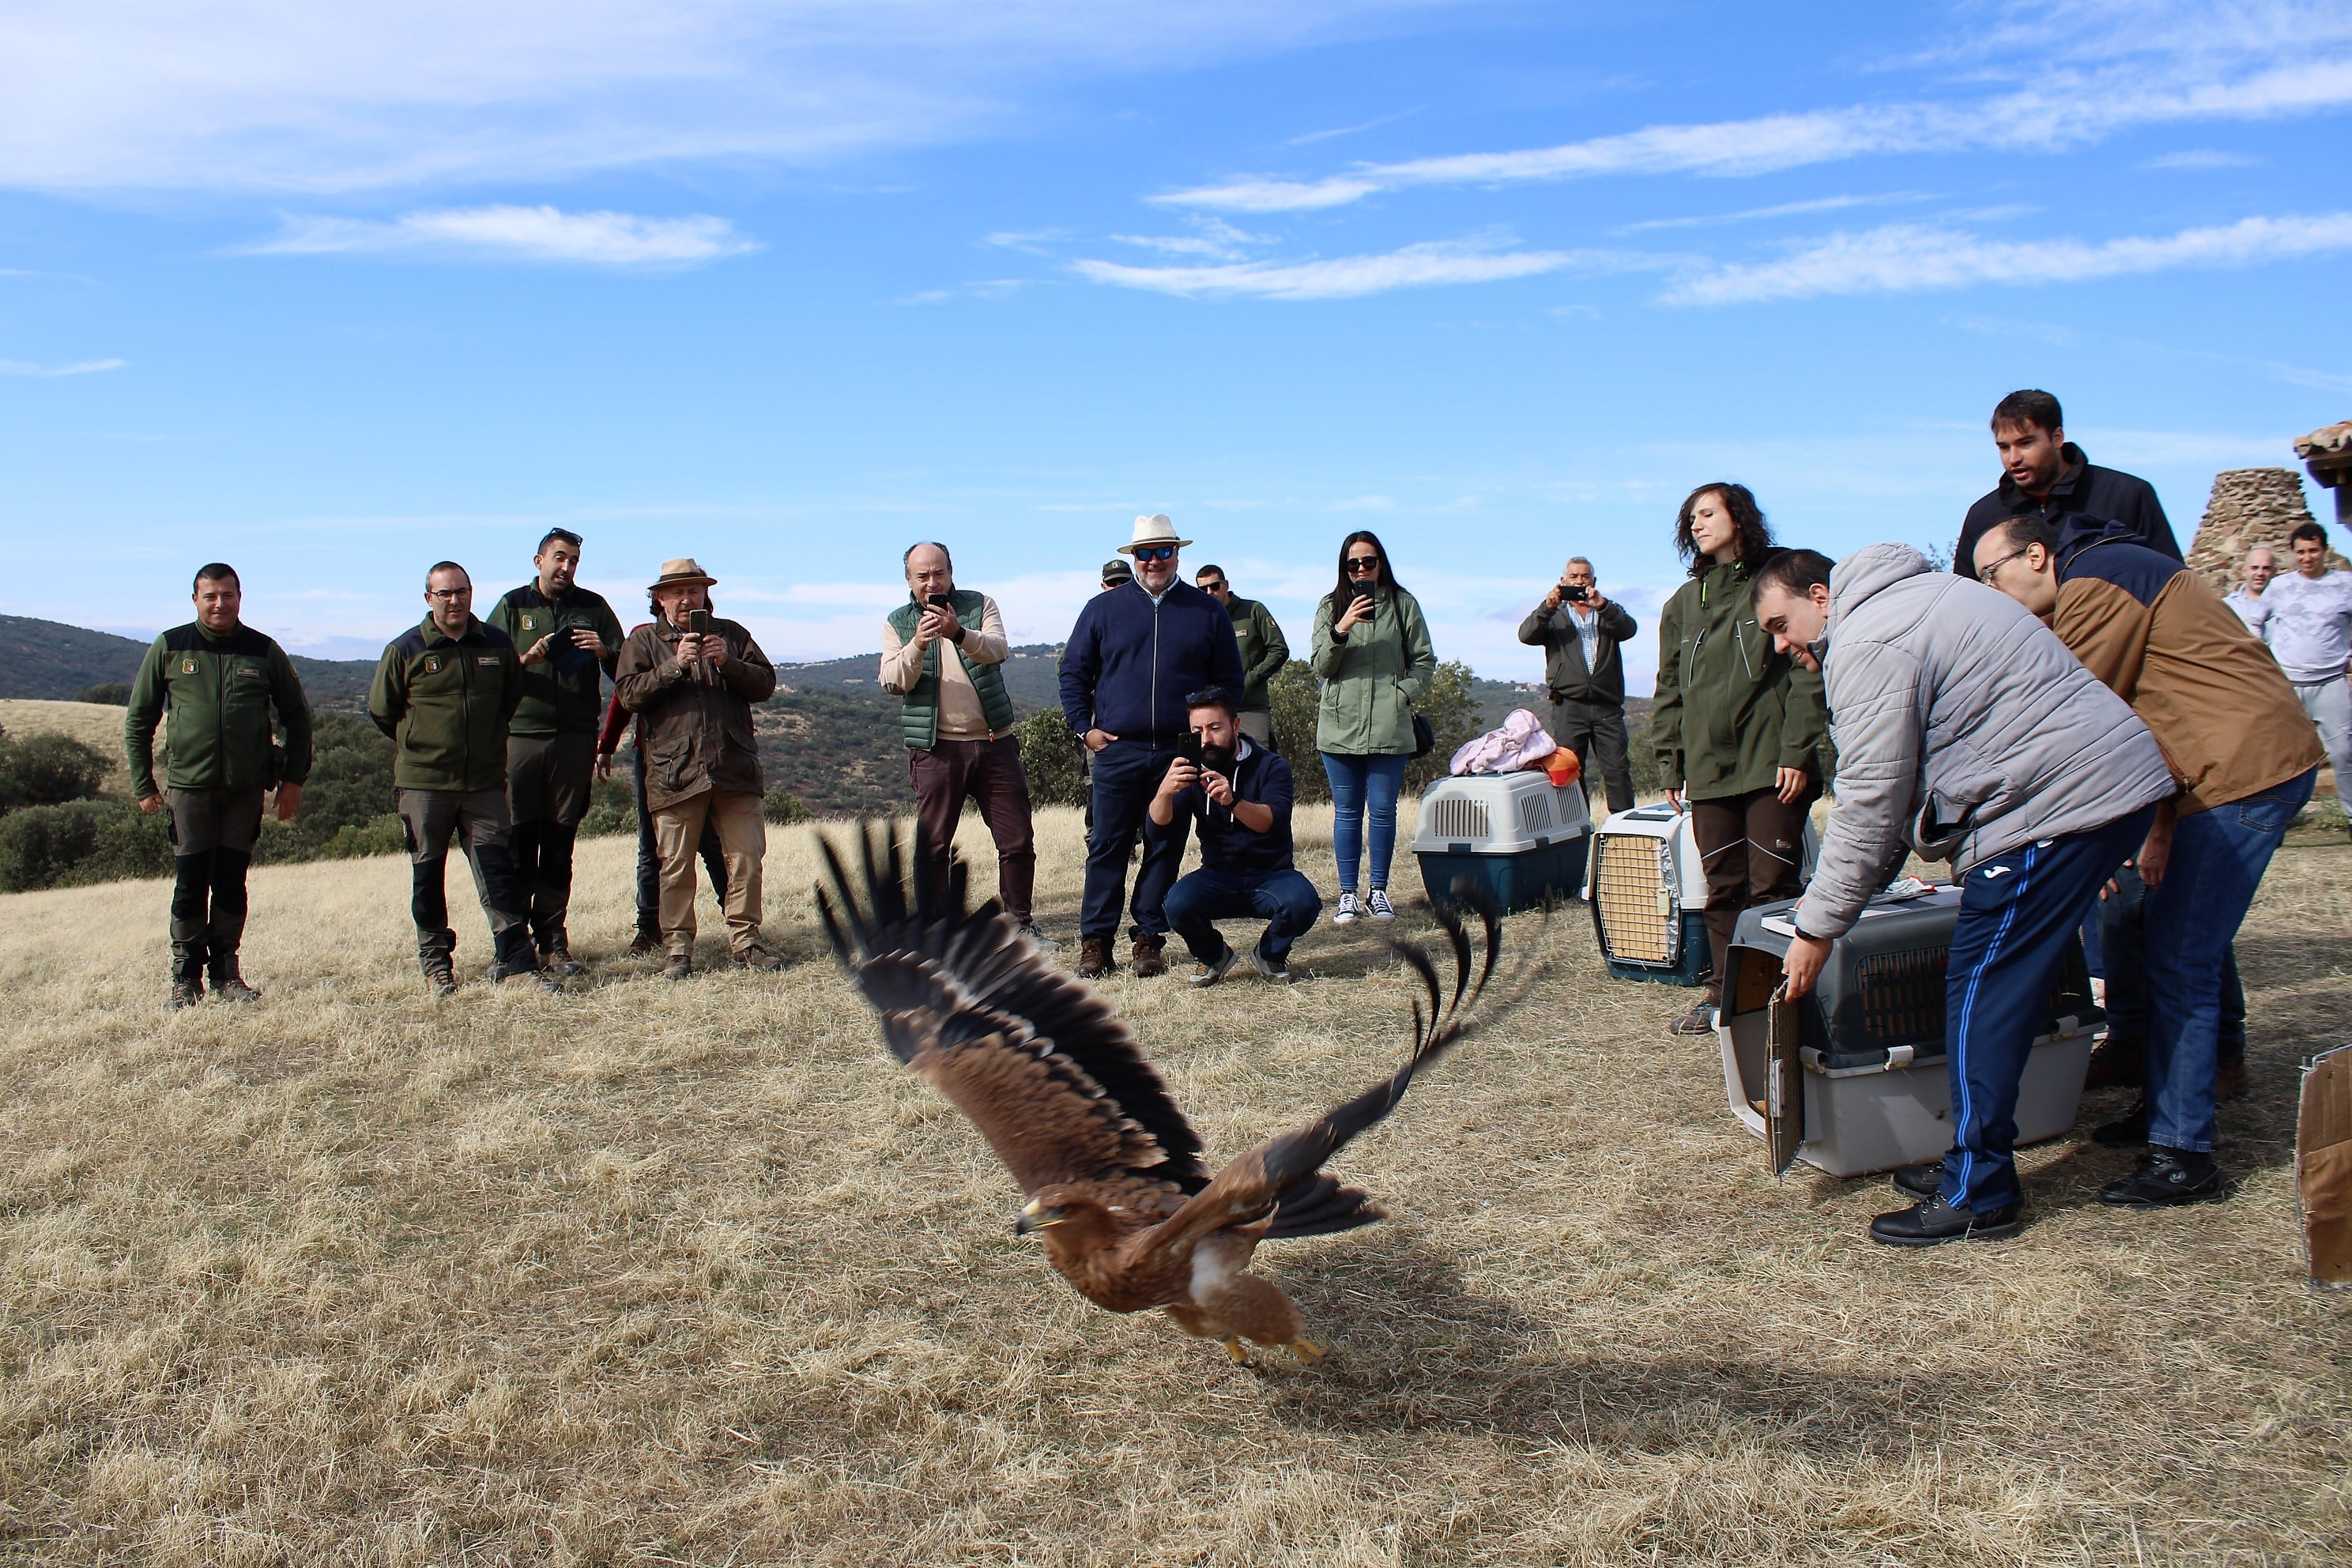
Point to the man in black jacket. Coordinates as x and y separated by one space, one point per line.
1580 632
2045 476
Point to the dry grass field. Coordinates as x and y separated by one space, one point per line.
95 724
693 1274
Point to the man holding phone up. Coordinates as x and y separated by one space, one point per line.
1580 632
568 640
691 679
943 657
1238 793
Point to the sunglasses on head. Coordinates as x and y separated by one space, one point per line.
1363 562
1157 553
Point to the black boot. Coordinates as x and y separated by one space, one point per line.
1923 1182
1935 1221
2165 1177
187 974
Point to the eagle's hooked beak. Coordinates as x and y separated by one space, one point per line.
1036 1216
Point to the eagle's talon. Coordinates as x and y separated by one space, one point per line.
1307 1351
1233 1347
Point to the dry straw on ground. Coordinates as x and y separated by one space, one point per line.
693 1274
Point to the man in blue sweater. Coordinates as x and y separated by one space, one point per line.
1137 652
1239 796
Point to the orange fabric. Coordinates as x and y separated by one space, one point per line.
1563 767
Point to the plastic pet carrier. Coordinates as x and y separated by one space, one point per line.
1517 833
1868 1042
1649 895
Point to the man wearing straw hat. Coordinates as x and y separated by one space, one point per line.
1136 652
691 679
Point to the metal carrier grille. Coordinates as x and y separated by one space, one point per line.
1534 813
1634 900
1458 820
1903 994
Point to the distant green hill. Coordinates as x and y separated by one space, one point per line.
50 660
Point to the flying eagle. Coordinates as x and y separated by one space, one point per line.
1118 1194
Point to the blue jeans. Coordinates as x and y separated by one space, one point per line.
2218 860
1361 787
1125 776
2121 923
1285 899
2017 913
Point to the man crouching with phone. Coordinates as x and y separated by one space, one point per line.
1237 794
692 677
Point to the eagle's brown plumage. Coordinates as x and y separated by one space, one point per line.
1117 1192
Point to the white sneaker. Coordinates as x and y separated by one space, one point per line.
1377 905
1347 912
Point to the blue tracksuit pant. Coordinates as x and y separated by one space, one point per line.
2018 912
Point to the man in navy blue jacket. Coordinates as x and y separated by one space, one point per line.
1239 796
1137 652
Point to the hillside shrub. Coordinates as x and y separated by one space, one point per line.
611 806
779 806
349 786
82 841
1054 759
49 769
1450 706
108 693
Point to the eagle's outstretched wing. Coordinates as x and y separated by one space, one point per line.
1285 1175
1037 1060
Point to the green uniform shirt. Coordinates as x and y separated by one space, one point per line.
447 703
561 695
1263 651
214 695
1730 711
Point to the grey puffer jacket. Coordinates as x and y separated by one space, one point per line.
1964 729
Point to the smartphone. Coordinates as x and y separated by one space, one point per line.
1189 748
1574 593
1362 591
939 601
698 622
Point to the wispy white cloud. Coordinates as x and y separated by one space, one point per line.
1212 238
2211 64
1914 257
2202 158
1786 209
1350 277
290 95
516 233
80 367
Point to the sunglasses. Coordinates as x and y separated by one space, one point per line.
1159 553
1214 585
1360 564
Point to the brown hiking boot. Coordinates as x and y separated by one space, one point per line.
1146 959
1699 1020
644 942
185 993
2116 1064
230 987
2229 1079
556 956
678 967
1094 958
442 983
754 956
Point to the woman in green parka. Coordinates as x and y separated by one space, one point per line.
1737 727
1373 659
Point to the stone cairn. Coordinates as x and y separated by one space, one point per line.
2249 507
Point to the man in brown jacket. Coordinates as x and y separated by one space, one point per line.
2244 758
691 679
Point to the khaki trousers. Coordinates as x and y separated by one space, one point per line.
742 841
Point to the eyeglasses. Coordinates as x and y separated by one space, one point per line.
1160 553
1359 565
1984 574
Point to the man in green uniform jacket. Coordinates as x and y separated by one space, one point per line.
1264 652
444 691
568 639
219 680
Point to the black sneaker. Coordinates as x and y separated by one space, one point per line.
2129 1131
1933 1222
2165 1177
1275 970
1923 1182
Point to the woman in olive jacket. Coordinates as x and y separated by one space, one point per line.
1372 656
1737 727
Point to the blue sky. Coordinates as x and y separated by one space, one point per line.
333 292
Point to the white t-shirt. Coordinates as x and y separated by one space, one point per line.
2248 608
2307 621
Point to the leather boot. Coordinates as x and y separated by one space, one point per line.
187 974
228 983
1094 958
1148 960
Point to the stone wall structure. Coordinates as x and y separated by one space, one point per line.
2249 507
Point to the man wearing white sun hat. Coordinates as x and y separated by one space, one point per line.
1137 652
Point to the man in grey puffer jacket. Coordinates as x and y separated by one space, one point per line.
1965 730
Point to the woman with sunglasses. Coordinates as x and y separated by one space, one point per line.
1373 659
1737 726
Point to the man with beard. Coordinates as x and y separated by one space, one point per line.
2046 477
568 638
1237 794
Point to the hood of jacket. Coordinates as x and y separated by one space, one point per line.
2080 532
1871 569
